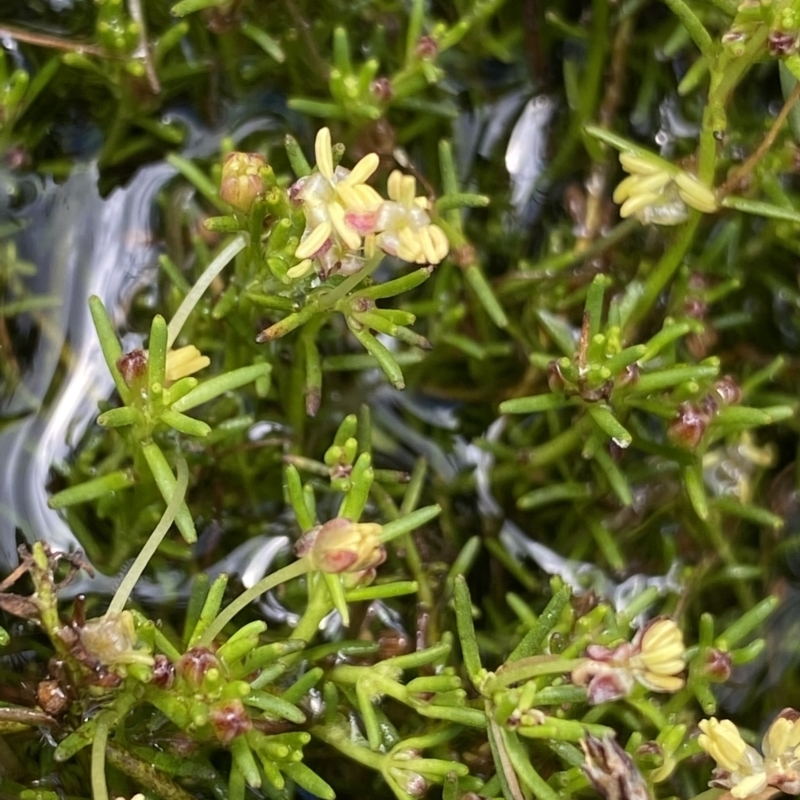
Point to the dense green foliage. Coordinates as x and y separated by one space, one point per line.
530 434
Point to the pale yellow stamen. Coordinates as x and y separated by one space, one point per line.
440 243
184 361
637 203
363 170
393 184
638 165
350 238
313 241
300 270
695 194
323 153
723 742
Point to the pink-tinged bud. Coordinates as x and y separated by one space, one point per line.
242 181
229 721
727 391
341 545
603 683
133 367
427 48
688 429
611 770
382 89
412 782
198 665
781 43
717 665
163 672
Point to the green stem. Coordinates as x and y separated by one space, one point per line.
526 668
695 28
348 284
666 268
318 606
224 257
287 573
125 588
98 771
339 739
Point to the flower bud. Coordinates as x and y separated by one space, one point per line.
382 89
199 666
781 43
688 429
727 391
133 367
427 48
341 545
410 781
611 770
242 181
163 672
717 665
229 720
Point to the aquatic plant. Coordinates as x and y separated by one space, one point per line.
533 534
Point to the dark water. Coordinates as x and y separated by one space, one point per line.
81 245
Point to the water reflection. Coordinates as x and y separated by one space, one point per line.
81 245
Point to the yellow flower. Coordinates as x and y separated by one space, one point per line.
659 192
661 657
183 362
654 659
329 194
742 769
723 742
405 229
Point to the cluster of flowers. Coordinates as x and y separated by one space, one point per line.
347 220
345 216
656 191
745 771
654 659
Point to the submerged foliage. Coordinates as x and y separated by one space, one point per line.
458 461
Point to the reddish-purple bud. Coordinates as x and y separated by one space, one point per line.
717 665
427 48
198 664
781 43
382 89
727 391
689 427
611 770
133 367
163 672
230 720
